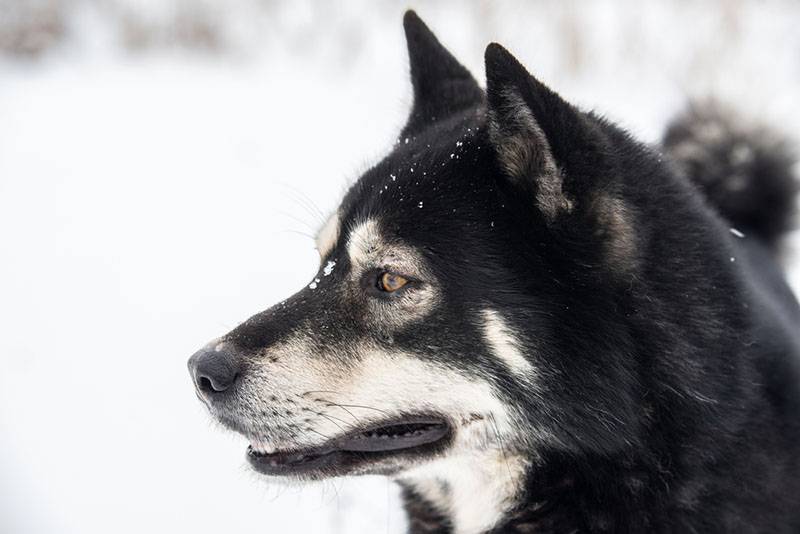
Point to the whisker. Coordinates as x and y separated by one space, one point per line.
320 433
296 219
318 391
502 448
294 438
333 417
300 233
332 421
346 410
305 202
364 407
335 490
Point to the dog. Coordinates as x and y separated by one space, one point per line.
534 322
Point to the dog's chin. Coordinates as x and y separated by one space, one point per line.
384 448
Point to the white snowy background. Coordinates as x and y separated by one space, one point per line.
162 166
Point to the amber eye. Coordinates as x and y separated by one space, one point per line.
391 282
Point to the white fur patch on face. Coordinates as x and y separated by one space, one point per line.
504 344
328 235
396 382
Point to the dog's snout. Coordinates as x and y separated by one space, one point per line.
215 369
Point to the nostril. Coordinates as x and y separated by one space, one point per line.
205 384
212 384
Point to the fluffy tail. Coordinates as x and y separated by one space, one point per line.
744 172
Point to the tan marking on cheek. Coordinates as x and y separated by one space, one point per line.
504 344
615 226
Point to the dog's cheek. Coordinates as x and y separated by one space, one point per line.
396 382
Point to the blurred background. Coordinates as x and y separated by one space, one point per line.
163 164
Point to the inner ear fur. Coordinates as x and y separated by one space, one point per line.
524 153
557 156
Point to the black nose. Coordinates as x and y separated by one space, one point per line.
215 369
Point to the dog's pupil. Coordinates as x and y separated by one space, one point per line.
392 282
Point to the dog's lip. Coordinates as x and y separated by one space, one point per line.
356 447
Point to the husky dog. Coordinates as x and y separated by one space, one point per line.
535 323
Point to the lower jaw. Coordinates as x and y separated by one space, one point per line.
332 464
330 461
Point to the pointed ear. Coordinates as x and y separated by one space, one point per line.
442 86
542 143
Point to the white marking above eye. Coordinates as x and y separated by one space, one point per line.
365 239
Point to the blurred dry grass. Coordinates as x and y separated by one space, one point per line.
676 39
32 27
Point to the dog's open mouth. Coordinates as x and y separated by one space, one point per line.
410 436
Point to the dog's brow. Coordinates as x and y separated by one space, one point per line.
364 238
328 234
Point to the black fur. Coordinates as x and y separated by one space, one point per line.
675 390
666 347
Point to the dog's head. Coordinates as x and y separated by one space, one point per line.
458 281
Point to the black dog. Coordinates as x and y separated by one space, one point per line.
536 323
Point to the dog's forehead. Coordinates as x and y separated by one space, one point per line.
427 182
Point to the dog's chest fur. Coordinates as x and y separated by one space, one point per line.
464 493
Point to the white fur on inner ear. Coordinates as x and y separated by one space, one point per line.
524 152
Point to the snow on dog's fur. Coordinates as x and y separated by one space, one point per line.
535 323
